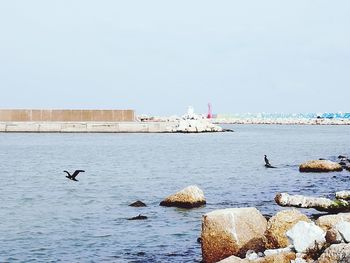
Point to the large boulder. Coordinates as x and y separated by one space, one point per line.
279 224
306 237
188 197
339 253
327 222
232 231
317 166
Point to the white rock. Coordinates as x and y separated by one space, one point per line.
344 229
189 197
270 252
305 235
343 195
196 125
252 255
233 259
299 260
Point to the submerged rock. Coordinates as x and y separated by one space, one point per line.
232 231
306 236
138 204
139 217
279 224
188 197
317 166
339 253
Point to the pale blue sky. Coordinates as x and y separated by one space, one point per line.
158 57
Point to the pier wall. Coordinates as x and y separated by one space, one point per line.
87 127
10 115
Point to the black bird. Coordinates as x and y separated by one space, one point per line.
267 161
72 177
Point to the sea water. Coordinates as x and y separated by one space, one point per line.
47 218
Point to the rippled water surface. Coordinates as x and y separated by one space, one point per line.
48 218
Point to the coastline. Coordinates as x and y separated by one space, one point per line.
156 126
282 121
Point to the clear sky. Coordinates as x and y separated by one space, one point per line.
158 57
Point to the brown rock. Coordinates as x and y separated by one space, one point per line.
188 197
339 253
232 231
318 166
333 236
329 221
279 224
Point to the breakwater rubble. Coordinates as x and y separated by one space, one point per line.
282 121
243 235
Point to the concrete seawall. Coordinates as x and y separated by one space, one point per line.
30 115
87 127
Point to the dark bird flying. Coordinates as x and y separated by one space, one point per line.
75 174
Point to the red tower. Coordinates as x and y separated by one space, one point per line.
210 114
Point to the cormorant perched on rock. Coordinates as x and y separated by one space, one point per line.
72 177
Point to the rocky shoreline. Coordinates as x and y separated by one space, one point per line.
244 235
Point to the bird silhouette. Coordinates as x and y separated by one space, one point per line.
75 174
266 160
267 163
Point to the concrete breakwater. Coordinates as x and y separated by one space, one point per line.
86 127
48 115
185 126
107 121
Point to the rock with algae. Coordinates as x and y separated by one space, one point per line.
318 203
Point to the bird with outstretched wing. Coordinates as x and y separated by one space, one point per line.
75 174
